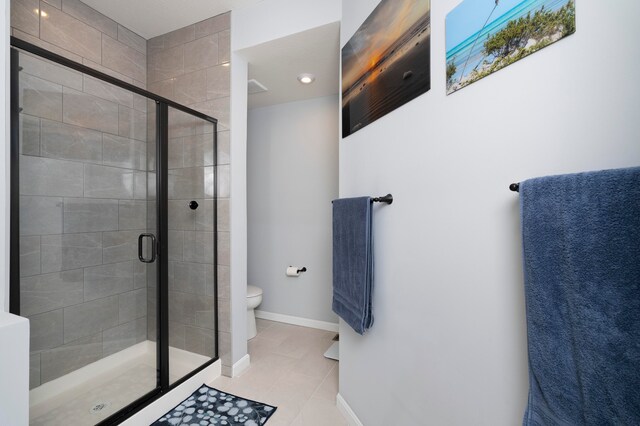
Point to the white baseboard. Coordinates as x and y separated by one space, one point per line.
304 322
153 412
347 412
238 368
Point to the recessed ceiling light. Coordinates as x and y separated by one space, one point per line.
306 78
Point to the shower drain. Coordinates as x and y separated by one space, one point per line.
97 408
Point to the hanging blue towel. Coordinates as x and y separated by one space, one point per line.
581 236
353 261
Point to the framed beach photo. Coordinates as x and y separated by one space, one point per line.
484 36
386 63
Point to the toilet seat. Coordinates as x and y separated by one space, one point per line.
253 291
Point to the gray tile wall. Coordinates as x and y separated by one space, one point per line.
72 29
191 66
83 187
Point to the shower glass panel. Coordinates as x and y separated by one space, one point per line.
113 239
87 152
192 218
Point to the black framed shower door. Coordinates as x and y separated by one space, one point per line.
170 122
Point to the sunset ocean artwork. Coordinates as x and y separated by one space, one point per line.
484 36
386 63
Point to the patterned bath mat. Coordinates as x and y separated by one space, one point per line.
209 406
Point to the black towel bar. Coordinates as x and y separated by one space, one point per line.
515 187
386 199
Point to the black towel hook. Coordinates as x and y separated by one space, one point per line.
515 187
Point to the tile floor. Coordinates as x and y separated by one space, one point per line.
288 370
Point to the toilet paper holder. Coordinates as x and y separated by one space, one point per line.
294 271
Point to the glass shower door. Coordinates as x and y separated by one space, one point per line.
191 243
113 239
86 224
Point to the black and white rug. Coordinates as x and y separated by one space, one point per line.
209 406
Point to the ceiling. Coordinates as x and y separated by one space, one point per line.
151 18
278 63
275 64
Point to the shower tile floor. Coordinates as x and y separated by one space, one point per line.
118 392
288 369
115 389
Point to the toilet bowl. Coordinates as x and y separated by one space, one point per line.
254 298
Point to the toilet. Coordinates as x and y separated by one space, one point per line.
254 298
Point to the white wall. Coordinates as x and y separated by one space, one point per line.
292 176
273 19
5 154
267 21
448 346
238 206
14 370
14 330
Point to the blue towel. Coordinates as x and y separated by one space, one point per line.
353 261
581 236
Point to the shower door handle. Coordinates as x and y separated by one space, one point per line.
153 248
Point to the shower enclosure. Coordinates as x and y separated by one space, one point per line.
113 238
